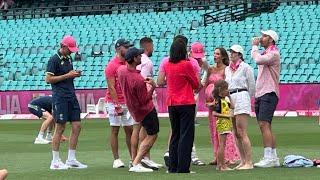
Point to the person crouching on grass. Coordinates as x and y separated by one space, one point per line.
140 105
222 110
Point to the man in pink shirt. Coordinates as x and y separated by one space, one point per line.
140 105
267 93
116 107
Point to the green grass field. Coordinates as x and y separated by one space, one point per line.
24 160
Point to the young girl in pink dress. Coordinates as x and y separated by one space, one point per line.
214 74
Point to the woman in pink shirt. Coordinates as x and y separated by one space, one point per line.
214 74
181 80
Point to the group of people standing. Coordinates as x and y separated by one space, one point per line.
181 73
229 86
131 102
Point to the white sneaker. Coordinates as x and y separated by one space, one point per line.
156 164
139 168
276 162
149 164
265 163
75 164
118 164
58 165
318 166
41 141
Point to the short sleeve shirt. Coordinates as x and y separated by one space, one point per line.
59 65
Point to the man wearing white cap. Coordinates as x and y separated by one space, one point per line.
60 74
267 92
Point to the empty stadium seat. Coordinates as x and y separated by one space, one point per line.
36 40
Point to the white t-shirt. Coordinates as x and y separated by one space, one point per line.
146 66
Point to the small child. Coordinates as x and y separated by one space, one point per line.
222 110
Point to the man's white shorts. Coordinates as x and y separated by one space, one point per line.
124 120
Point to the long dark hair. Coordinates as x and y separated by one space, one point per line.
178 51
224 55
181 37
241 57
218 85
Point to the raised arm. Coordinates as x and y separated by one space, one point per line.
266 59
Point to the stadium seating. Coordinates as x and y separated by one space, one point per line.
27 44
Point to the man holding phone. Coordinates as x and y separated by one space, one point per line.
60 74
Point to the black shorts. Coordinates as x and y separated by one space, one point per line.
66 110
265 106
151 123
36 110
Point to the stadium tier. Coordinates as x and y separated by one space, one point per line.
27 44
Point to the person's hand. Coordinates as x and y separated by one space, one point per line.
150 81
255 41
118 110
73 74
210 104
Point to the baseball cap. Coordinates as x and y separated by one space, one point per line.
197 50
123 42
237 48
272 34
133 52
70 42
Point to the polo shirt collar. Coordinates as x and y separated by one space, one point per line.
61 57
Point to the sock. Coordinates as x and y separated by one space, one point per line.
71 154
146 158
40 135
268 152
274 153
194 153
55 156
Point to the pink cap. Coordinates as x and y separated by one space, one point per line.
197 50
71 43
